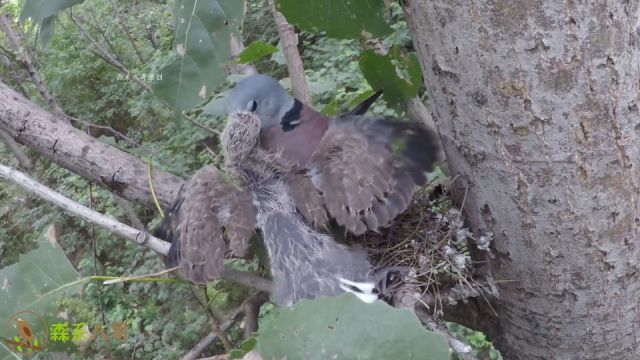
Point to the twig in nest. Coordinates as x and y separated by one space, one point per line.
427 243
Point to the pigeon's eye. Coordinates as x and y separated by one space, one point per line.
252 105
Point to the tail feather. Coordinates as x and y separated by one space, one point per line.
362 107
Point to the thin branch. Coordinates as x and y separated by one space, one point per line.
107 223
231 319
104 54
289 42
113 131
11 71
14 148
125 30
94 248
96 26
128 211
217 316
140 277
14 42
201 125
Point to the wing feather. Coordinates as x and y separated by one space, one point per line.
365 171
211 217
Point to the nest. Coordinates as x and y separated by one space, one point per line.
430 244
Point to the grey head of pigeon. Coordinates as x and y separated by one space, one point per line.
262 95
288 126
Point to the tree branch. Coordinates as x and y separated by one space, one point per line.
14 42
140 237
71 148
289 42
224 326
107 223
126 31
14 148
129 212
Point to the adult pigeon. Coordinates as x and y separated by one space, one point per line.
360 171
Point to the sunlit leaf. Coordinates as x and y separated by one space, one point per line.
337 18
255 51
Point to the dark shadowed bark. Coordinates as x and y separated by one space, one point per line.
537 107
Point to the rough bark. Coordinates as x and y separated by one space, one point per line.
54 138
537 108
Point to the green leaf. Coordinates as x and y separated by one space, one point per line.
45 32
34 283
338 18
346 328
249 344
396 73
203 30
236 354
43 14
255 51
38 10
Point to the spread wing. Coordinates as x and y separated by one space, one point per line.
211 217
364 172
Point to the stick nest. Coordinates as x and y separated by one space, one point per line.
430 243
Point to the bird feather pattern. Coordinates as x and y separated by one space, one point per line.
212 216
365 171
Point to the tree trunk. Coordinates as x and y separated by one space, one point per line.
537 107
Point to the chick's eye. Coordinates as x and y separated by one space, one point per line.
252 105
